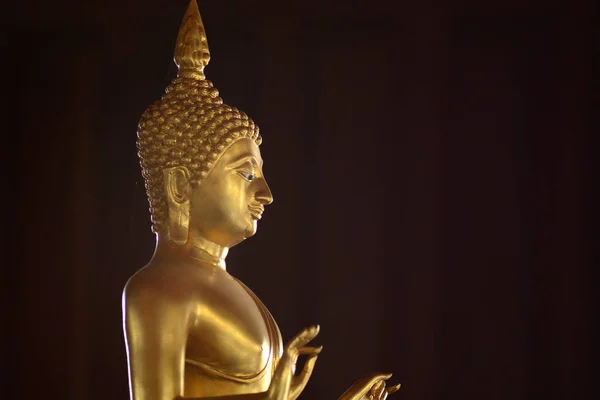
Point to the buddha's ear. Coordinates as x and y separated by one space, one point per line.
177 184
177 190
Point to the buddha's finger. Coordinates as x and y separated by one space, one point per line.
393 389
310 350
372 379
302 378
378 390
307 370
362 386
305 336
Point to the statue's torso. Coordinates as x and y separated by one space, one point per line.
233 342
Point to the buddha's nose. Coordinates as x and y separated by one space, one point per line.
263 194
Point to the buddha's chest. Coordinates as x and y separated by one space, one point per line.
231 335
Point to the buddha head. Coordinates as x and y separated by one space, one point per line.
200 158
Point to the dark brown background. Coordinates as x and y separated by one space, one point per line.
431 164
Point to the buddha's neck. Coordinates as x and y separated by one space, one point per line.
198 248
202 249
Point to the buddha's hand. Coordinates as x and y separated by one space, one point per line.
370 387
285 385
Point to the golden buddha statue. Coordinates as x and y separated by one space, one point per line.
192 330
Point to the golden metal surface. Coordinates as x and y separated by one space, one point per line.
191 329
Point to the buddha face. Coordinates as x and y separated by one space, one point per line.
226 205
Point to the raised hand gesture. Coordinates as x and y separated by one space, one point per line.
285 385
370 387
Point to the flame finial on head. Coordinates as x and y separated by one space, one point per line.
191 50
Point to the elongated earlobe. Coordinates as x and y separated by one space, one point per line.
177 189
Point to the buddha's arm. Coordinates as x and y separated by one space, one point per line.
155 332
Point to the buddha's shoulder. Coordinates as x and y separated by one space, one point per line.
171 283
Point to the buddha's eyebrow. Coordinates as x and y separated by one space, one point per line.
243 159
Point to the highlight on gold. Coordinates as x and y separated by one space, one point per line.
192 330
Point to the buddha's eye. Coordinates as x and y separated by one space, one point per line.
247 175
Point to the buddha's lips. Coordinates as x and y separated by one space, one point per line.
256 211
